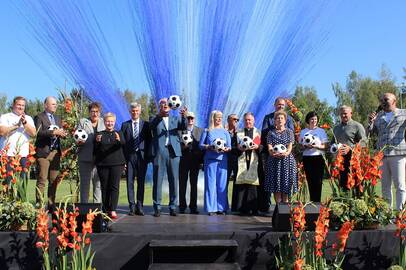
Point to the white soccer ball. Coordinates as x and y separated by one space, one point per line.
186 139
80 135
219 144
308 139
280 149
174 102
53 127
246 143
335 147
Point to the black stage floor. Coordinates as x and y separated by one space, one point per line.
126 245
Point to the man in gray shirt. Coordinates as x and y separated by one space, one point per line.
390 125
348 133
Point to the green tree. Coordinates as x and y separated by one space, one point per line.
363 93
306 99
4 106
34 107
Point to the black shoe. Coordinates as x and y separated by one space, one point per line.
172 213
221 213
131 213
181 211
139 212
157 213
194 211
212 213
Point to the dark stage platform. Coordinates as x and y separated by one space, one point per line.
127 245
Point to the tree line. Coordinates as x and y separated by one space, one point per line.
360 92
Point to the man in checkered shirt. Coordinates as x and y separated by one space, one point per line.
390 125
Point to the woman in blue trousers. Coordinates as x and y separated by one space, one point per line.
215 165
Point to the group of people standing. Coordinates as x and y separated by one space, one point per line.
256 172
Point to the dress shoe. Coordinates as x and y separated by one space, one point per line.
157 213
181 211
221 213
194 211
172 213
139 212
131 213
113 214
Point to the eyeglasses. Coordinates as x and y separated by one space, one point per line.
190 118
236 119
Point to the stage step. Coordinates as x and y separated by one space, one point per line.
194 266
193 251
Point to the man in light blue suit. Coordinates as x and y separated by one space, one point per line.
166 152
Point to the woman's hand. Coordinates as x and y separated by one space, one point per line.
117 136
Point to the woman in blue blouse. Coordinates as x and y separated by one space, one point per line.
215 166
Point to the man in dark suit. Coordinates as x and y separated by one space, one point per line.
137 137
166 151
48 150
190 163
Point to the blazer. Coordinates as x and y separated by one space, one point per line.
86 150
44 136
392 134
144 138
160 133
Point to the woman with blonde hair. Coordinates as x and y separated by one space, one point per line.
110 163
215 165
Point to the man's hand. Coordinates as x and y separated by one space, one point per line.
98 138
344 149
371 118
59 133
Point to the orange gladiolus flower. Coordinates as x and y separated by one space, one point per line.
298 220
325 126
322 225
343 234
68 105
298 264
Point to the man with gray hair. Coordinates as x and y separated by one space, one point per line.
348 132
390 124
48 150
137 135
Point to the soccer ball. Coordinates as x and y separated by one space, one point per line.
219 144
335 147
308 139
80 135
186 139
246 143
280 148
53 127
174 102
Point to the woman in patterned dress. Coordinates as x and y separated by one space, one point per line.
280 168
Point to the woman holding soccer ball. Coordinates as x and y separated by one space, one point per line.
280 166
216 141
313 140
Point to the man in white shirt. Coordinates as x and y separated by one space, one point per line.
16 128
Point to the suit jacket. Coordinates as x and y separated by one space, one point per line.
86 150
44 136
160 133
144 138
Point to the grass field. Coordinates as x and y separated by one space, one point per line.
64 190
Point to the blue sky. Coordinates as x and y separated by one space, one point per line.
365 36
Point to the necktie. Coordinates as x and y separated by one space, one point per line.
52 119
136 136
